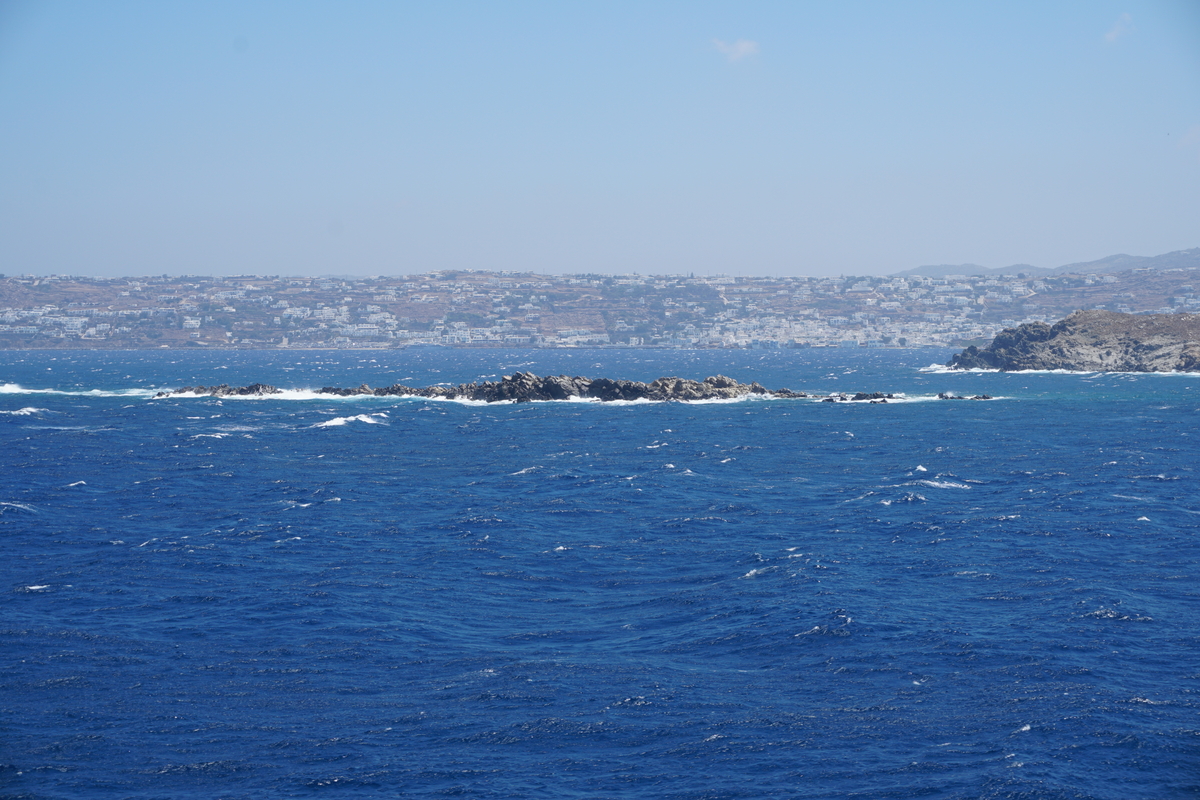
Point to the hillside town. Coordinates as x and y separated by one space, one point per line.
487 309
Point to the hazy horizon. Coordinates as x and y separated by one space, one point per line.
747 139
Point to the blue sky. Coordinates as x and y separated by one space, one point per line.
772 138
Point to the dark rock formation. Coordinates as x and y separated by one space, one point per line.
225 390
871 397
364 389
525 386
1094 341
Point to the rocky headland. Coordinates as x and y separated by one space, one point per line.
1094 341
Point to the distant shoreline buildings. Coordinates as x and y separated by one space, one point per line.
496 309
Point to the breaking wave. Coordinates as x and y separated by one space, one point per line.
16 388
370 419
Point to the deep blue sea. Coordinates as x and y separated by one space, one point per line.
378 597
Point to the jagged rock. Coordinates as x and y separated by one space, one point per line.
1094 341
873 397
364 389
225 390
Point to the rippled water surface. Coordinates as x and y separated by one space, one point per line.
296 597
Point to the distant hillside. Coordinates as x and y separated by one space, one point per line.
943 270
1180 259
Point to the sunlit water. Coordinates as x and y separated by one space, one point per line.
299 596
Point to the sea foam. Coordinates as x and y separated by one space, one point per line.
16 388
370 419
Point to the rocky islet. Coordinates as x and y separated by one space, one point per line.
527 387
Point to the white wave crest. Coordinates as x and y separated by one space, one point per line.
942 369
370 419
940 484
16 388
25 412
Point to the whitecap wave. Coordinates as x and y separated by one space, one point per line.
893 400
286 394
939 484
942 369
370 419
16 388
1114 614
746 398
1060 372
25 412
903 398
909 497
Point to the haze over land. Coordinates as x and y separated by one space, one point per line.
690 138
472 308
